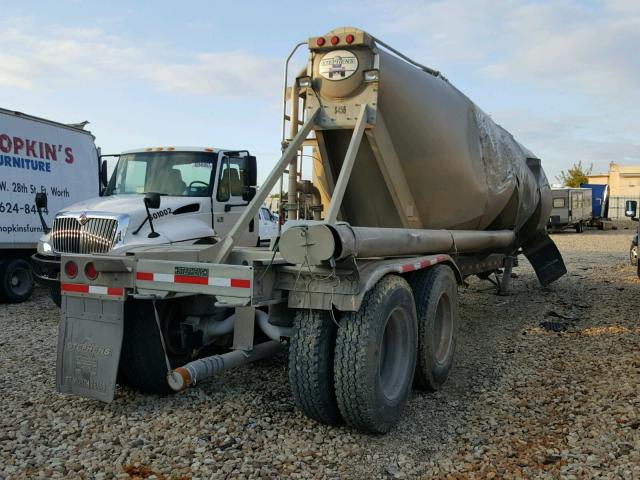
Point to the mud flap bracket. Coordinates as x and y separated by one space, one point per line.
89 343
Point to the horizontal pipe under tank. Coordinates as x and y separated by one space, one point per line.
317 243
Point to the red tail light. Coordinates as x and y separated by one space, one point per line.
350 38
335 40
320 41
71 269
90 271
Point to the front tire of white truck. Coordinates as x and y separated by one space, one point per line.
16 280
375 357
311 354
436 293
56 295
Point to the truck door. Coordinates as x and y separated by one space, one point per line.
228 201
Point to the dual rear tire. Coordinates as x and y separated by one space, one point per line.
362 370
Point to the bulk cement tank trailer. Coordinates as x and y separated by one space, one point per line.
415 188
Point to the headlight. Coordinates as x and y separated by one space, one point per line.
44 247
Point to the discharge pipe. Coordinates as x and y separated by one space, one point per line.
193 372
316 243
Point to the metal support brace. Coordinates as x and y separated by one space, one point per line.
219 252
391 169
347 166
505 282
243 328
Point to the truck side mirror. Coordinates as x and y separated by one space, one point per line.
252 171
630 208
103 174
41 200
152 200
248 193
41 204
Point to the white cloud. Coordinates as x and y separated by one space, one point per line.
575 62
590 47
594 52
231 73
36 58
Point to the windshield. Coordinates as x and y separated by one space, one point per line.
180 174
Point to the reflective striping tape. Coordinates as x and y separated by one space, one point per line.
219 282
75 287
148 276
410 267
240 283
193 280
163 277
93 289
98 290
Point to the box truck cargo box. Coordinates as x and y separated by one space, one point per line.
37 156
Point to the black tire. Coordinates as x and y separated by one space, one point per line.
436 294
56 295
142 359
16 280
633 255
311 365
579 227
375 357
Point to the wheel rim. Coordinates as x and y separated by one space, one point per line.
634 254
20 281
442 329
394 360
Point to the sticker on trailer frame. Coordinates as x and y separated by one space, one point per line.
338 65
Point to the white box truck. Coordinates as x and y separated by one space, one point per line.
37 156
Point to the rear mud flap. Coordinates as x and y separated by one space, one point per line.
545 259
89 343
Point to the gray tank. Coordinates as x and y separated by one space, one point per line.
462 170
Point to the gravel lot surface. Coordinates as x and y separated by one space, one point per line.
522 401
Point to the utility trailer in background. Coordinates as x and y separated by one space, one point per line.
416 189
571 208
37 156
600 205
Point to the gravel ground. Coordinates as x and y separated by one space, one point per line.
522 401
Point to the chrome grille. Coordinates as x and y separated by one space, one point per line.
95 236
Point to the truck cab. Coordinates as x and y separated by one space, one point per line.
196 194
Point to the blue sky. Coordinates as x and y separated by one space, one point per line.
562 76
